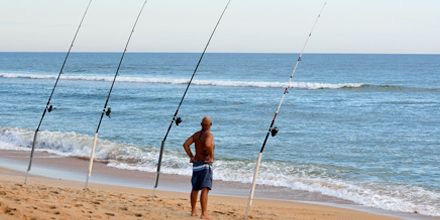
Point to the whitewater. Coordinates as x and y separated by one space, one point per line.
352 127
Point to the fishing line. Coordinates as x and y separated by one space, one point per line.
105 110
179 120
274 130
49 108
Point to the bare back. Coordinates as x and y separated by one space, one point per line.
204 143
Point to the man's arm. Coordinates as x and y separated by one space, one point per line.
186 145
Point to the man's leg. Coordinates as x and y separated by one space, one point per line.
204 203
194 195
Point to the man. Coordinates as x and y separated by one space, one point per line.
202 165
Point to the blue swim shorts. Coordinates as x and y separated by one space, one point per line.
202 176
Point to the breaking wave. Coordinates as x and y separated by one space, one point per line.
223 83
307 177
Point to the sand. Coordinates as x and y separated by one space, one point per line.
46 198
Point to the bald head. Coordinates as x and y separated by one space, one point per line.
206 123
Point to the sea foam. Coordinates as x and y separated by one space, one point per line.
311 178
223 83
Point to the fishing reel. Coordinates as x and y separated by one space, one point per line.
274 131
51 108
178 121
109 110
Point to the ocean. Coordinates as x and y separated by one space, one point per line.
359 127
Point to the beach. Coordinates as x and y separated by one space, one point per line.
58 198
364 137
348 119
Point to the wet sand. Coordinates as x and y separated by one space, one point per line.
127 195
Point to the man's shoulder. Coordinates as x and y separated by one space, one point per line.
196 134
209 135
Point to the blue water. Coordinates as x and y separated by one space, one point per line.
359 127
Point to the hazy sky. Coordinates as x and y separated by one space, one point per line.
279 26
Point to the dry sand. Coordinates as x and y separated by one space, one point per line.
45 198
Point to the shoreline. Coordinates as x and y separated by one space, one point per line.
71 171
60 199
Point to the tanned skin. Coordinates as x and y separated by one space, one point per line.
204 146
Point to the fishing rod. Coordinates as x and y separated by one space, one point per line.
49 108
274 130
105 110
179 120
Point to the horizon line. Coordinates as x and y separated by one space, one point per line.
323 53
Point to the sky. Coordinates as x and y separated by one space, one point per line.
248 26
